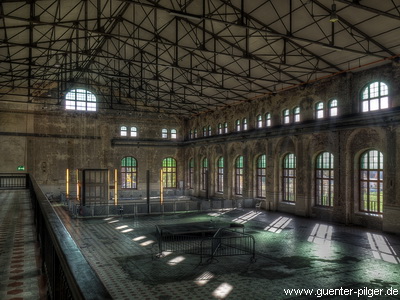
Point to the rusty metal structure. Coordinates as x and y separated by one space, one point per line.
185 57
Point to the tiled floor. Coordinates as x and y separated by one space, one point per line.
292 253
20 276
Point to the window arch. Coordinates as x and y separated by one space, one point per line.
296 114
371 181
191 173
169 172
289 178
333 108
124 131
324 179
261 165
375 97
238 128
268 120
220 175
129 173
259 121
80 99
286 116
319 110
204 173
239 175
133 131
173 133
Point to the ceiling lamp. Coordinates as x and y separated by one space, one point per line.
333 17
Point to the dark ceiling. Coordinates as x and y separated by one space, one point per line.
185 57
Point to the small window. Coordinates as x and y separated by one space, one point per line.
268 120
220 128
286 116
133 131
259 121
195 133
296 114
225 127
238 125
191 134
319 110
79 99
173 133
244 124
333 108
209 130
124 131
375 97
204 131
164 133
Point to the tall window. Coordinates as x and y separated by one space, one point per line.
204 131
268 120
371 181
129 173
124 131
261 166
80 99
209 130
164 133
239 175
324 179
169 172
319 110
333 109
289 177
296 114
286 116
204 173
244 124
238 125
375 97
191 173
220 175
225 127
259 121
191 134
195 133
173 133
133 131
220 128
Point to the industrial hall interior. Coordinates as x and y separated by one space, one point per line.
199 149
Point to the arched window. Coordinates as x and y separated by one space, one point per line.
173 133
239 175
371 181
324 179
238 125
204 131
261 166
220 128
195 133
259 121
133 131
191 134
289 178
124 131
333 108
209 130
164 133
268 120
244 124
220 175
191 173
296 114
204 173
375 97
225 127
286 116
169 172
129 173
319 110
80 99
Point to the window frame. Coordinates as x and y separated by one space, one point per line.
239 172
324 179
377 100
129 171
88 103
204 174
261 176
220 174
289 178
169 167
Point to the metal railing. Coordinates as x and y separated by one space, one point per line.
13 181
68 274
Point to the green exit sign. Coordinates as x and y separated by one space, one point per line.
21 168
